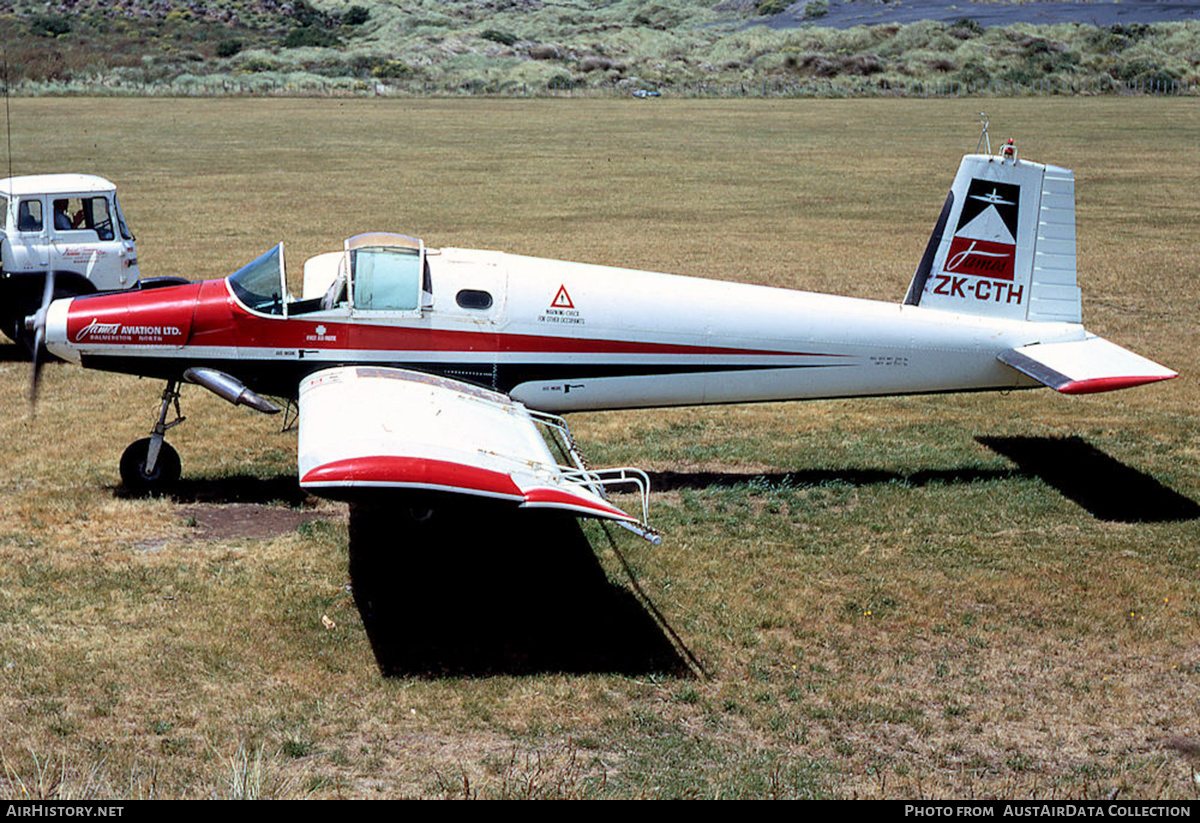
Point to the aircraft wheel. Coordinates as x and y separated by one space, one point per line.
133 467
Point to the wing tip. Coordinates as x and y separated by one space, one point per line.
1096 385
586 504
386 471
343 478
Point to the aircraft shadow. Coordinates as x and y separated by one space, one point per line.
281 489
673 481
482 589
1107 488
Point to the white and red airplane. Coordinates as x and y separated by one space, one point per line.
440 370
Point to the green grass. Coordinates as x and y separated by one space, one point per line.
884 605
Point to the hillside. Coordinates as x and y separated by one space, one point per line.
537 47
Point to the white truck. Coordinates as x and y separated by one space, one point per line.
70 224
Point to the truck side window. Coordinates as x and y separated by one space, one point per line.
95 216
65 217
83 214
29 215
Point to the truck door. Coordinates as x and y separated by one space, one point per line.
31 242
85 240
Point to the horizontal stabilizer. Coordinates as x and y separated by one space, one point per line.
1085 366
366 429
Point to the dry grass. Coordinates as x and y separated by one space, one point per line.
886 606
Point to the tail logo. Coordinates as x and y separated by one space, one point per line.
984 242
980 258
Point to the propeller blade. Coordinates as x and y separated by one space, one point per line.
48 290
36 323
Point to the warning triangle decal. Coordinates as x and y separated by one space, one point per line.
562 300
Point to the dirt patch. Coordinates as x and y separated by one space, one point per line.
247 520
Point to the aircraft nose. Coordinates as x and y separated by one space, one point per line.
56 331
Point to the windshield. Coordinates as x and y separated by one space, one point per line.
259 285
121 220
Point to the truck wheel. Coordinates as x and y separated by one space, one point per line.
23 337
133 468
11 329
23 304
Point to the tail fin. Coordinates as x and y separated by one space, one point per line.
1004 245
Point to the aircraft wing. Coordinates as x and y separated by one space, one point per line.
1084 366
365 428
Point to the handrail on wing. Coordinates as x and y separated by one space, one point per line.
559 427
596 480
599 481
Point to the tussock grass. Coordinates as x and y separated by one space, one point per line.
885 605
684 47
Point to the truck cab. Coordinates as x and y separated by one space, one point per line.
69 224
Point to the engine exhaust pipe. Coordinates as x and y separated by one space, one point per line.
230 388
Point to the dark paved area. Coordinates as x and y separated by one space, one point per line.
846 13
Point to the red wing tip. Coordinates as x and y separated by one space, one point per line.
392 472
556 498
400 472
1103 384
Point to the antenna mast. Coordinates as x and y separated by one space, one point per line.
985 142
7 118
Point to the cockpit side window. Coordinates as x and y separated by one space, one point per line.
387 279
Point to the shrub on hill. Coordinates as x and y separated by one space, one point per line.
302 36
49 25
356 16
228 47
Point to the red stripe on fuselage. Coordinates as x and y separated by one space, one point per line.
215 318
300 332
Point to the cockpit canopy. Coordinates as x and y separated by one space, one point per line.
386 272
379 271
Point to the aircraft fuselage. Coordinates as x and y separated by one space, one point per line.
562 336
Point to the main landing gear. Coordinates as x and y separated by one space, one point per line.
151 464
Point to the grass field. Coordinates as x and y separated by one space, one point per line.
950 596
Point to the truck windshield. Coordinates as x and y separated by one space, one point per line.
259 285
121 220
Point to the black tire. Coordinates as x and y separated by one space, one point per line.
14 329
24 340
11 329
133 468
26 298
